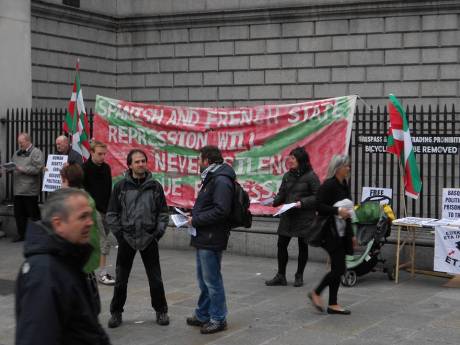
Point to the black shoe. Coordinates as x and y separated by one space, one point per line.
162 319
340 312
193 321
17 239
298 280
115 320
277 280
213 327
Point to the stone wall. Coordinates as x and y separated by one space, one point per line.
60 35
230 53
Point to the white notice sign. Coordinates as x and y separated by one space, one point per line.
52 178
447 249
451 203
376 191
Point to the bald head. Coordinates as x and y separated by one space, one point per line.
62 144
24 141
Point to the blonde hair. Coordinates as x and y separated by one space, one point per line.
97 143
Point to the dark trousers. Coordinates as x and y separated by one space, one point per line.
25 207
283 256
332 278
151 259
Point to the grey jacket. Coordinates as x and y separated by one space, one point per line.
138 211
32 162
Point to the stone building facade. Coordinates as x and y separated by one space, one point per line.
233 52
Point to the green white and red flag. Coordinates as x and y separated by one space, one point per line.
76 120
399 143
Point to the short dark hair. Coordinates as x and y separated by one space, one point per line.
129 159
74 174
56 204
212 154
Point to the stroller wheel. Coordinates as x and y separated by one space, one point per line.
349 278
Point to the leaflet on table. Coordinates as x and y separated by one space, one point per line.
415 221
454 222
439 222
285 208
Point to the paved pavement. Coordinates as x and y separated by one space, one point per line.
417 311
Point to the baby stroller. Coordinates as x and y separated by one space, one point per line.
372 222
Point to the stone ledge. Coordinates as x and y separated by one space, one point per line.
261 238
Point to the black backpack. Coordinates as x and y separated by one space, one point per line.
240 216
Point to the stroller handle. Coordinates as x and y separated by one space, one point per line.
376 198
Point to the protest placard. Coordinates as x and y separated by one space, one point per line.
52 177
447 249
451 203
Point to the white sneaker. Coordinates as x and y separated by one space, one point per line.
106 279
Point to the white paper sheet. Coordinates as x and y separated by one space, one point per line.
414 221
179 220
285 208
9 166
52 178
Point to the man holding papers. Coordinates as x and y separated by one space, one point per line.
210 217
28 164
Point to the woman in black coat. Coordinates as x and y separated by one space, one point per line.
338 241
299 185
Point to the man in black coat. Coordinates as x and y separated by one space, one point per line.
138 216
56 302
210 218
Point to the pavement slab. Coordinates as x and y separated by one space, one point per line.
417 311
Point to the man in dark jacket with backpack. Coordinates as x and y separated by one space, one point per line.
56 302
210 217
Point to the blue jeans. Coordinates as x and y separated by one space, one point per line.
211 304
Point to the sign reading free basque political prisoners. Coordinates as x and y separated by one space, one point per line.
256 141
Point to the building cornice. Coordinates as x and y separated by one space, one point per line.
340 10
68 14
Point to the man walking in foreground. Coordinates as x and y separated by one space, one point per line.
56 302
138 216
210 218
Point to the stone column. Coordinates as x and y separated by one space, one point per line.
15 62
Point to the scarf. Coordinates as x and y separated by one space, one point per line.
211 168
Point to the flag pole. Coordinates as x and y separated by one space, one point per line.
403 196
